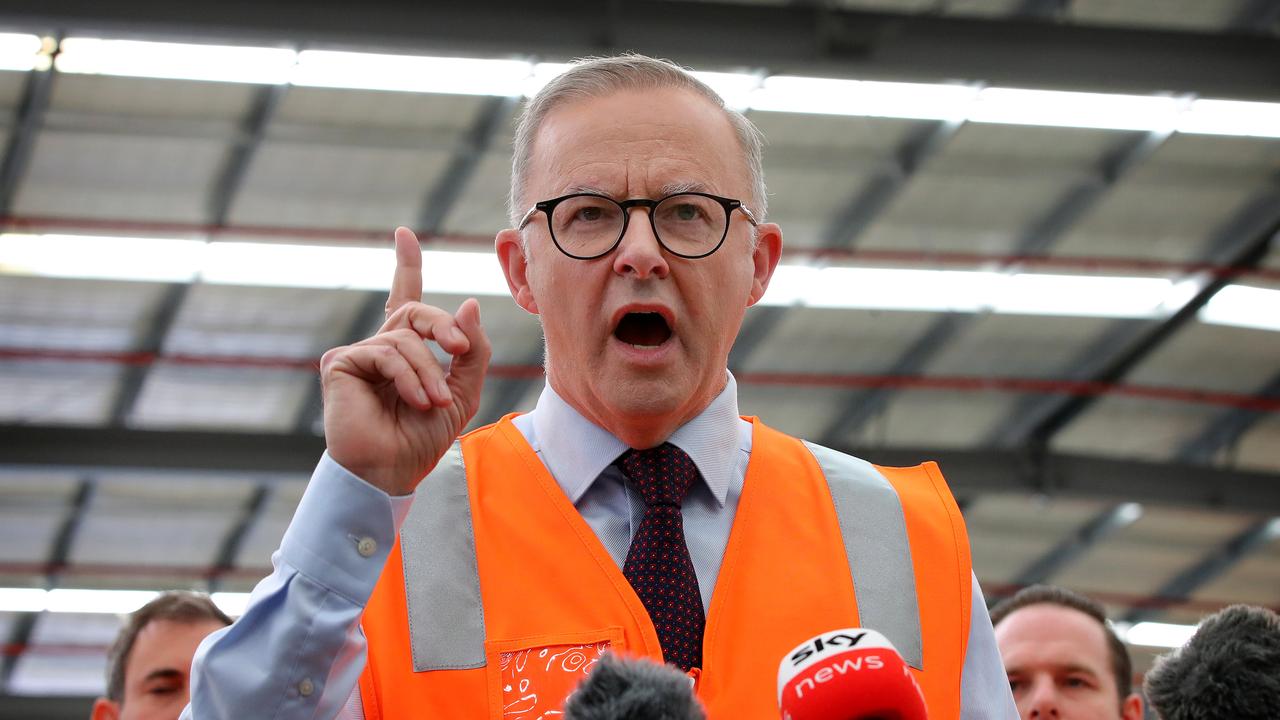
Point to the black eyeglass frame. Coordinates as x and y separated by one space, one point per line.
549 206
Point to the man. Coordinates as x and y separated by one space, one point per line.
1062 657
148 665
604 519
1229 669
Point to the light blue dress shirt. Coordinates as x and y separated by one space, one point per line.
298 650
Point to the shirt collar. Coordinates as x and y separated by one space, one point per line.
577 450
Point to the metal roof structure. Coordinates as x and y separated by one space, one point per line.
158 433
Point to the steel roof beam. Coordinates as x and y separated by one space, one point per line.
305 135
1211 566
502 394
372 311
860 212
133 377
867 404
229 548
1080 542
1029 411
1043 9
870 203
760 322
253 129
1241 243
217 455
1037 239
225 188
493 116
25 707
1226 429
1073 206
820 40
1258 16
28 119
59 555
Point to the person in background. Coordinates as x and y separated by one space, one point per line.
1062 657
1229 669
150 660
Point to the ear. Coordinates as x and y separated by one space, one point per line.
1131 709
515 267
104 709
765 259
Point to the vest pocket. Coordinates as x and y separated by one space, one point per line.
530 677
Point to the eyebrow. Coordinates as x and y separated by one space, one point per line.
163 674
674 188
586 189
1072 668
682 187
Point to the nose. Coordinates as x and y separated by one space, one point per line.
1042 703
639 254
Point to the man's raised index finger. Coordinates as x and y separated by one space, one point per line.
406 285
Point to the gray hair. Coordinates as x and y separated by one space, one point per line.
597 77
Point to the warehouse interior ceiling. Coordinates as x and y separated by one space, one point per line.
1077 312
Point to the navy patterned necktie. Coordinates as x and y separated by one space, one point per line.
658 564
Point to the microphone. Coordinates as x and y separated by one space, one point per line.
849 674
633 689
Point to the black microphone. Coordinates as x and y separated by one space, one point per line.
1230 668
633 689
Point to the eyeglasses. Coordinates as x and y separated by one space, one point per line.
586 226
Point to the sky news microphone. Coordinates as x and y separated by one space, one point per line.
850 674
623 688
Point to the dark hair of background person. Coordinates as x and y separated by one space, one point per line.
176 606
1229 669
1121 665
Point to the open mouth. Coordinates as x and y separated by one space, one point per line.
643 329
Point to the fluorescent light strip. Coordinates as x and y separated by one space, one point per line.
1244 306
744 91
1231 117
736 89
917 101
22 52
177 61
237 263
404 73
103 258
79 600
1154 634
975 291
1016 106
1075 109
478 273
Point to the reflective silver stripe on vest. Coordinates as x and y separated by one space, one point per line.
875 541
441 577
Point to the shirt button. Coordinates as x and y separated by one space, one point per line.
367 546
306 687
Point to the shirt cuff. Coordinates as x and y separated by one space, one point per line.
343 531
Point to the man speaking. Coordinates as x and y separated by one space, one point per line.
632 510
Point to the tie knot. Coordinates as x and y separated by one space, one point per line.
662 474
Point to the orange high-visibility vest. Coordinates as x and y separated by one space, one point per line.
499 597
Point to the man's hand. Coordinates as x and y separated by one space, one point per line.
390 410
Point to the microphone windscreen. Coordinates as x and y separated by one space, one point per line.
621 688
850 674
